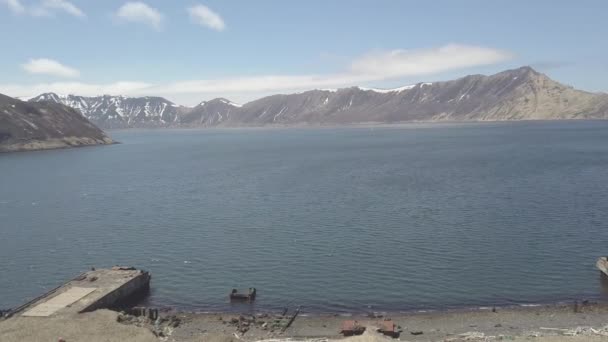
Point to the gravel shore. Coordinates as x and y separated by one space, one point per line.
554 323
547 323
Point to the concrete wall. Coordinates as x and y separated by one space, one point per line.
136 288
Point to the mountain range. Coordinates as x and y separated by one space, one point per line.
518 94
44 125
119 111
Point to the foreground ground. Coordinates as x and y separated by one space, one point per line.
546 324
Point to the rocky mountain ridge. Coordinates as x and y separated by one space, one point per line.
518 94
119 111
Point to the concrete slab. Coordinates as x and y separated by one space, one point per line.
59 302
96 289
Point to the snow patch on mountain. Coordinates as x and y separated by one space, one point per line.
231 103
119 111
396 90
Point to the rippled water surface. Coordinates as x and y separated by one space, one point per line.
410 217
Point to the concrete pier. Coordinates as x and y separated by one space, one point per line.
96 289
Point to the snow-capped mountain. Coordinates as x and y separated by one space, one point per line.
118 111
209 113
518 94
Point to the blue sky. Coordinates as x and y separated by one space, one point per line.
189 51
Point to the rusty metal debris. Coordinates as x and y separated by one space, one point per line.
351 327
243 297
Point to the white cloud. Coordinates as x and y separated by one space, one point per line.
139 12
425 61
51 67
374 67
204 16
14 6
62 5
84 89
45 8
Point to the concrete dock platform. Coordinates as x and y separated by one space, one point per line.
96 289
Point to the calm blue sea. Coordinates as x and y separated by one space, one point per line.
421 216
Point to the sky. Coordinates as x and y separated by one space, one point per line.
189 51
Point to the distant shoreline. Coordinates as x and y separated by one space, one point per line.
352 125
54 144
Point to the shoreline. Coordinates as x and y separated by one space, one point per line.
55 144
580 320
241 308
530 321
599 298
556 323
370 124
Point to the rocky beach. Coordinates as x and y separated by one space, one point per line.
553 323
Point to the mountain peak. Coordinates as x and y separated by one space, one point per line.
522 73
47 97
221 100
524 70
527 68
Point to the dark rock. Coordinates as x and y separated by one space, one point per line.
416 332
174 322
